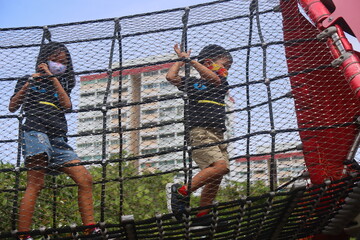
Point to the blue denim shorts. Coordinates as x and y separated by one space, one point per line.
56 148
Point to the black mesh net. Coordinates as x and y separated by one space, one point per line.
127 134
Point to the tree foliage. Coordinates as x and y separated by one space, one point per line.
142 196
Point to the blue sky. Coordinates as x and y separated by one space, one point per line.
21 13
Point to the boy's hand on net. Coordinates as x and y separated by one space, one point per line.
180 53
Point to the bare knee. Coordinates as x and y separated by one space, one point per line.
35 175
88 179
221 167
79 174
84 180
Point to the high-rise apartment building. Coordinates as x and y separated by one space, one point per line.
151 117
151 114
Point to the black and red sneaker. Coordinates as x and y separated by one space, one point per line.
178 202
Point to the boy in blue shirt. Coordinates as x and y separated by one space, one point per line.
206 124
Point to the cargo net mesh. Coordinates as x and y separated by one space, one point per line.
128 127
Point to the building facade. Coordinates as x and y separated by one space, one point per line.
150 117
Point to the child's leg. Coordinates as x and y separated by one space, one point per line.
83 179
208 195
209 175
35 182
210 178
213 160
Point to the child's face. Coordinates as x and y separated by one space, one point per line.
59 57
222 62
217 66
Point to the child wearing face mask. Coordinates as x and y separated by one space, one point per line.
44 97
206 124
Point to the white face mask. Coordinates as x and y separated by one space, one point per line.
56 68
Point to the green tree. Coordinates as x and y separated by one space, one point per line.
140 195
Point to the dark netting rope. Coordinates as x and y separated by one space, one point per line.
282 207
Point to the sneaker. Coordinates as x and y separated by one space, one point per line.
93 231
178 202
26 238
206 221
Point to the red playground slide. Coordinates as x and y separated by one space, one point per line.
326 98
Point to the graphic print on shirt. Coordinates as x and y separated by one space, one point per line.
200 86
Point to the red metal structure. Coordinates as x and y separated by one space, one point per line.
326 99
325 105
344 16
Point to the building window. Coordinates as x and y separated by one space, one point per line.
165 84
149 86
285 169
165 70
166 111
100 93
86 107
180 110
87 94
116 116
298 168
168 135
114 142
166 149
149 111
115 103
168 162
175 148
124 77
149 99
88 82
148 138
149 124
114 129
283 159
102 80
149 151
152 73
116 90
86 119
84 145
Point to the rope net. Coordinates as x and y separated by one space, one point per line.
129 126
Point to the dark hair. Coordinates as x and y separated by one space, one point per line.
49 49
214 52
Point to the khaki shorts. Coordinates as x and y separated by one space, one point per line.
206 156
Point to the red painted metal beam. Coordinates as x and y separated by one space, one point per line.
347 10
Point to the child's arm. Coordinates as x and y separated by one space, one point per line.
64 98
173 74
18 98
206 73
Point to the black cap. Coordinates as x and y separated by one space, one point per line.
214 51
